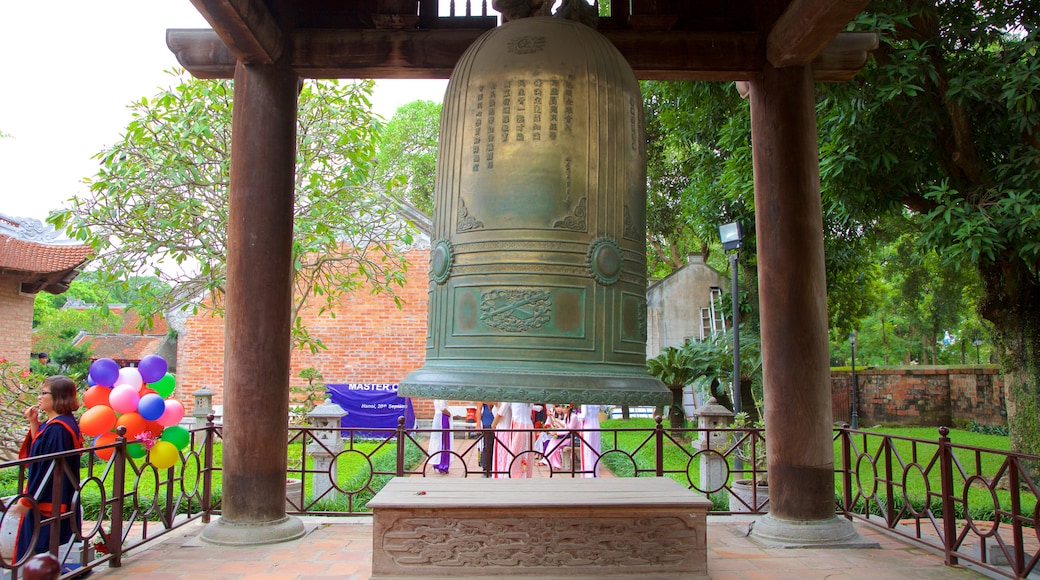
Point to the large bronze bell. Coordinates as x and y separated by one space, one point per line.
538 265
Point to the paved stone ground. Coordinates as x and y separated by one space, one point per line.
342 548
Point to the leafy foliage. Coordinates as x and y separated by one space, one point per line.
698 158
945 122
159 203
407 154
18 387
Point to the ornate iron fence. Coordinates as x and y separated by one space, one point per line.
900 484
975 505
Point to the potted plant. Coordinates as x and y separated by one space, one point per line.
749 494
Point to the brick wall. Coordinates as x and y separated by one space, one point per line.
16 311
370 340
932 396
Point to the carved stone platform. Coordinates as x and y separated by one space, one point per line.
574 528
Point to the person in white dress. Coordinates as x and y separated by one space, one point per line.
590 440
522 442
440 439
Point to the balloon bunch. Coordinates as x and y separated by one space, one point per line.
135 398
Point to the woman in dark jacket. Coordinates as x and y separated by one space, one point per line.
57 398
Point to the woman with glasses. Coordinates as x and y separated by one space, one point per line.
57 400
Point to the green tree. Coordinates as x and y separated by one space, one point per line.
158 205
945 122
700 176
407 154
676 369
698 142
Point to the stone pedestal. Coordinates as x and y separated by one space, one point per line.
835 532
326 444
546 528
203 406
712 444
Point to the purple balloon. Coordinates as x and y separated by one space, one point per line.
151 407
152 368
90 381
104 371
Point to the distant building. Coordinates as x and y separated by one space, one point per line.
130 344
33 258
684 305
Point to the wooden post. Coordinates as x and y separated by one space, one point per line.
258 309
793 295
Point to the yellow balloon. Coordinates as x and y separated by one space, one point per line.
163 455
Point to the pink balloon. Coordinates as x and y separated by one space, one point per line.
130 376
124 399
173 413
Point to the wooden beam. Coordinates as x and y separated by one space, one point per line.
805 29
432 54
246 27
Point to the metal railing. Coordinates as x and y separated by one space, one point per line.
900 484
975 505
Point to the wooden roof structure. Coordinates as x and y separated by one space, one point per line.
670 40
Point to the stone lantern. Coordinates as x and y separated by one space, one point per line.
325 419
203 407
714 470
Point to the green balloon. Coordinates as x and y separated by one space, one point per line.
136 450
176 435
165 385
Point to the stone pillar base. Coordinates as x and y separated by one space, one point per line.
836 532
224 533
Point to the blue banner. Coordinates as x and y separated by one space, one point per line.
371 405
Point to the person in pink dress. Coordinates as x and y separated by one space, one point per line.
501 423
561 443
521 445
590 440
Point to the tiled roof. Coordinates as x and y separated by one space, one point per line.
121 347
131 319
26 256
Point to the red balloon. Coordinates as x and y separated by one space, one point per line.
154 428
96 395
97 420
145 389
102 440
134 423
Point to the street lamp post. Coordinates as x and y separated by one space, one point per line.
732 235
977 342
855 386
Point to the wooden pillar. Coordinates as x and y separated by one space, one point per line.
258 309
793 295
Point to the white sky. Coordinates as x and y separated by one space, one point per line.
68 70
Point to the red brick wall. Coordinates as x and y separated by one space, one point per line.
16 311
370 340
933 396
